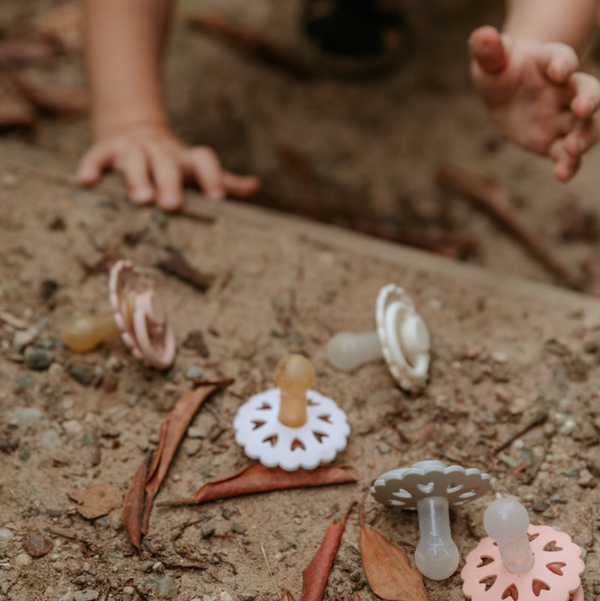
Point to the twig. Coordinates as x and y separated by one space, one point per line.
538 419
252 44
491 196
471 528
262 548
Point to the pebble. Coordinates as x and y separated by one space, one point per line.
72 427
50 439
225 596
86 595
499 357
568 427
540 506
68 596
25 380
38 360
146 566
22 559
24 338
25 453
207 530
128 590
192 447
37 545
166 588
384 448
81 374
194 373
26 414
246 596
198 432
586 480
6 534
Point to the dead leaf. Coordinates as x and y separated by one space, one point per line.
37 545
316 574
62 24
97 500
17 52
387 569
257 478
171 433
178 266
133 507
57 102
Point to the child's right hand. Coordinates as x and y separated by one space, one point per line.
155 165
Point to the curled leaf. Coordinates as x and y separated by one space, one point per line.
133 507
171 433
316 574
387 569
257 478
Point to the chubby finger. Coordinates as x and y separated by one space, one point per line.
92 164
565 165
134 167
557 60
205 166
488 49
241 185
586 92
166 173
581 139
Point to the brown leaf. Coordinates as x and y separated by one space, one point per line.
178 266
316 574
133 507
387 569
53 101
257 478
62 24
17 51
171 433
97 500
37 545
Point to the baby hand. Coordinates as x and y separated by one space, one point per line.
155 164
536 97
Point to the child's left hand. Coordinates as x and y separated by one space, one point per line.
536 97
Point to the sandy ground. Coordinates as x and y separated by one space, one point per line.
373 143
502 352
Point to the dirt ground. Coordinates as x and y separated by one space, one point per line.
373 144
502 353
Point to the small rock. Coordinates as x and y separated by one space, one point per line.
26 414
158 567
81 374
207 530
540 506
6 534
499 357
38 360
225 596
194 373
50 439
246 597
22 559
586 480
86 595
166 588
72 427
146 566
25 380
192 447
25 453
384 448
128 590
68 596
37 545
198 432
24 338
239 528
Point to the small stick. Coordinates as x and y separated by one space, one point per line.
538 419
252 44
262 548
495 200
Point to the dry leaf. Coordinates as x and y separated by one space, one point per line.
257 478
178 266
316 574
62 24
53 101
133 507
97 500
387 569
171 433
19 52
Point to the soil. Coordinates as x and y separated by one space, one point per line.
503 350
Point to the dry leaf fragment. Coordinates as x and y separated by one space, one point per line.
316 574
97 500
171 433
133 507
387 569
257 478
178 266
62 24
57 102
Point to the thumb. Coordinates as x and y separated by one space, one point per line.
488 50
